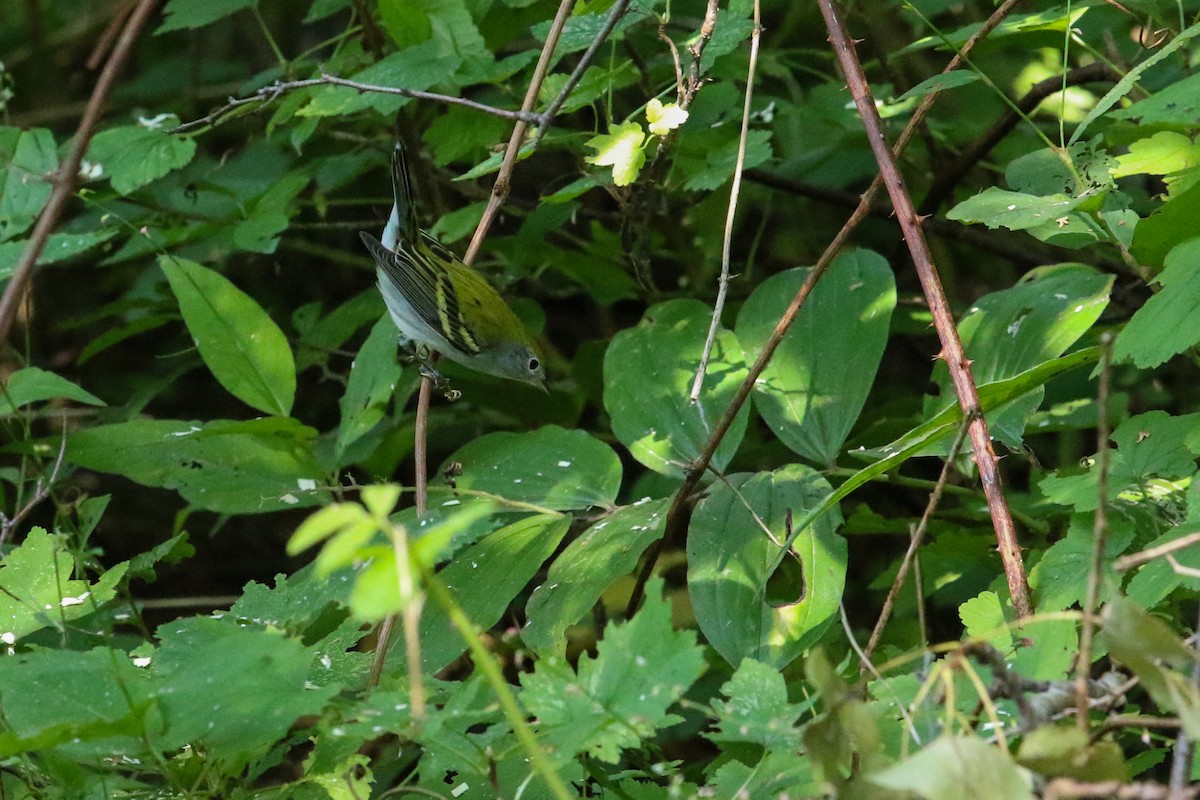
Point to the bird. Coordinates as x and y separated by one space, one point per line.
440 304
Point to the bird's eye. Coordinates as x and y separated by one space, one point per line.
534 364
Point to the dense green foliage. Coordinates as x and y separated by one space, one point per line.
203 395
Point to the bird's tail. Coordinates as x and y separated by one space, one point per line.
402 224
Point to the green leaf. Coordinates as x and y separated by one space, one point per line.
134 155
182 14
621 696
745 609
27 159
621 149
1161 154
1147 646
53 697
59 247
418 68
998 208
587 567
34 385
1169 322
1010 331
780 774
550 467
236 690
983 618
36 590
953 767
1177 103
648 374
242 346
730 31
815 386
1171 225
230 467
373 379
719 151
1158 578
939 83
1064 750
757 711
1060 578
581 30
484 579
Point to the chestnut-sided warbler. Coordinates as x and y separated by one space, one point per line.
442 305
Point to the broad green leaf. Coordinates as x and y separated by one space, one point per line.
783 773
418 68
582 29
745 609
1172 224
596 83
59 246
1008 332
484 579
1054 19
1144 644
233 689
999 208
648 374
134 155
34 385
587 566
1065 750
815 386
182 14
1060 579
37 591
1169 322
373 379
954 767
983 618
52 697
757 710
224 466
720 150
462 134
621 149
550 467
1158 578
730 31
1161 154
1178 103
27 159
242 346
621 697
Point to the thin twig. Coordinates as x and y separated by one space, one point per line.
697 49
865 665
731 213
502 186
952 349
268 94
111 31
1137 559
1083 663
662 34
918 535
546 118
68 172
676 520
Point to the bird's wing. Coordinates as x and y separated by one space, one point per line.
427 286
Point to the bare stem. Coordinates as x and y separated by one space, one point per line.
734 190
1083 663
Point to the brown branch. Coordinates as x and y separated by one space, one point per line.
1083 663
697 50
68 172
676 521
615 14
502 186
943 319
